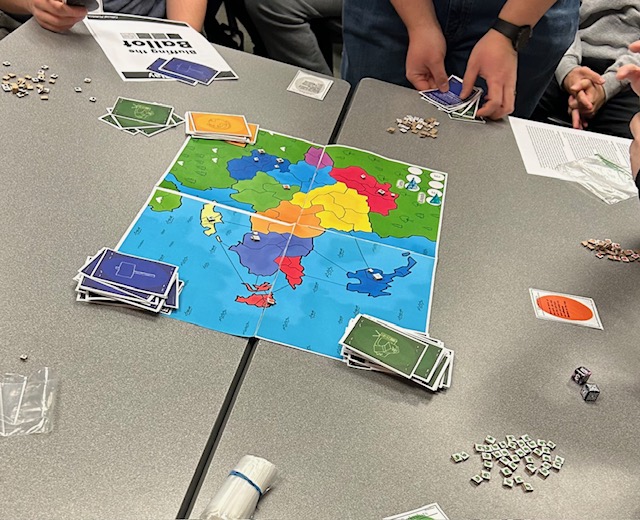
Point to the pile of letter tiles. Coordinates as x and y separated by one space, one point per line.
417 125
611 250
507 456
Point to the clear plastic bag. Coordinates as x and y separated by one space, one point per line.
246 484
26 403
605 179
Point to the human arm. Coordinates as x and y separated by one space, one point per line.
494 59
190 11
631 72
53 15
427 46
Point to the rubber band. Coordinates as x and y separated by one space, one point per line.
235 473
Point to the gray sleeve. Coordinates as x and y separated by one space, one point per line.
571 59
612 86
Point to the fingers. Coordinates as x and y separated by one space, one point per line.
628 71
635 46
421 81
576 121
469 80
591 75
584 102
55 15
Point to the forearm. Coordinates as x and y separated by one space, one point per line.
16 6
416 14
525 12
190 11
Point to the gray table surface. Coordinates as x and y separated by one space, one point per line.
138 394
356 445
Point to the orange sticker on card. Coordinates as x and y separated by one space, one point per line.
226 124
578 310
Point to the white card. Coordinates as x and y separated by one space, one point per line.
310 86
578 310
432 511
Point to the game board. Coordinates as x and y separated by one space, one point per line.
287 240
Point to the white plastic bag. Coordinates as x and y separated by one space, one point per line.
605 179
26 403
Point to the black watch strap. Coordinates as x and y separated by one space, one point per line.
518 34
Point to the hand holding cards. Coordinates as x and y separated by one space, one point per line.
451 102
373 344
114 278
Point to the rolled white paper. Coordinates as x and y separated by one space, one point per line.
239 495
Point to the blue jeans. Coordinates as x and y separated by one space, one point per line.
376 42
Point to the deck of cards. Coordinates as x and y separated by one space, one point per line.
224 127
430 512
458 109
189 72
141 117
372 344
114 278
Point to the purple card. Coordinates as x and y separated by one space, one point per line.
155 67
88 284
174 294
133 272
190 69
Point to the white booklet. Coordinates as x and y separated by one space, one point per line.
134 44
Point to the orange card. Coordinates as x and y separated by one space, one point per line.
220 124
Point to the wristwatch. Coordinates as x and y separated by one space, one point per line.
518 34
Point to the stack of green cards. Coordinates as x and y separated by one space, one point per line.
428 512
141 117
372 344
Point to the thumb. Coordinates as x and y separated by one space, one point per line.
469 81
635 46
593 76
440 76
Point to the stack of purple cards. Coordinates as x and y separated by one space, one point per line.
458 109
115 278
185 71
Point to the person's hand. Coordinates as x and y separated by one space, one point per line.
55 15
425 59
634 149
586 94
630 71
494 59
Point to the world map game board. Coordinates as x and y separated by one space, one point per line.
287 240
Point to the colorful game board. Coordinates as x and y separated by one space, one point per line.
288 240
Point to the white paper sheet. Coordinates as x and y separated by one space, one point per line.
132 43
544 147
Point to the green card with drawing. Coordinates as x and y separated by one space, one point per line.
142 111
385 346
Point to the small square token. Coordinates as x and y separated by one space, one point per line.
464 455
518 480
78 89
485 475
504 461
545 465
543 473
87 80
559 460
489 439
532 444
525 437
557 466
520 453
507 482
510 438
456 457
527 487
486 456
529 459
538 452
515 458
503 445
477 479
506 472
541 442
487 464
513 466
531 469
504 452
546 458
479 447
